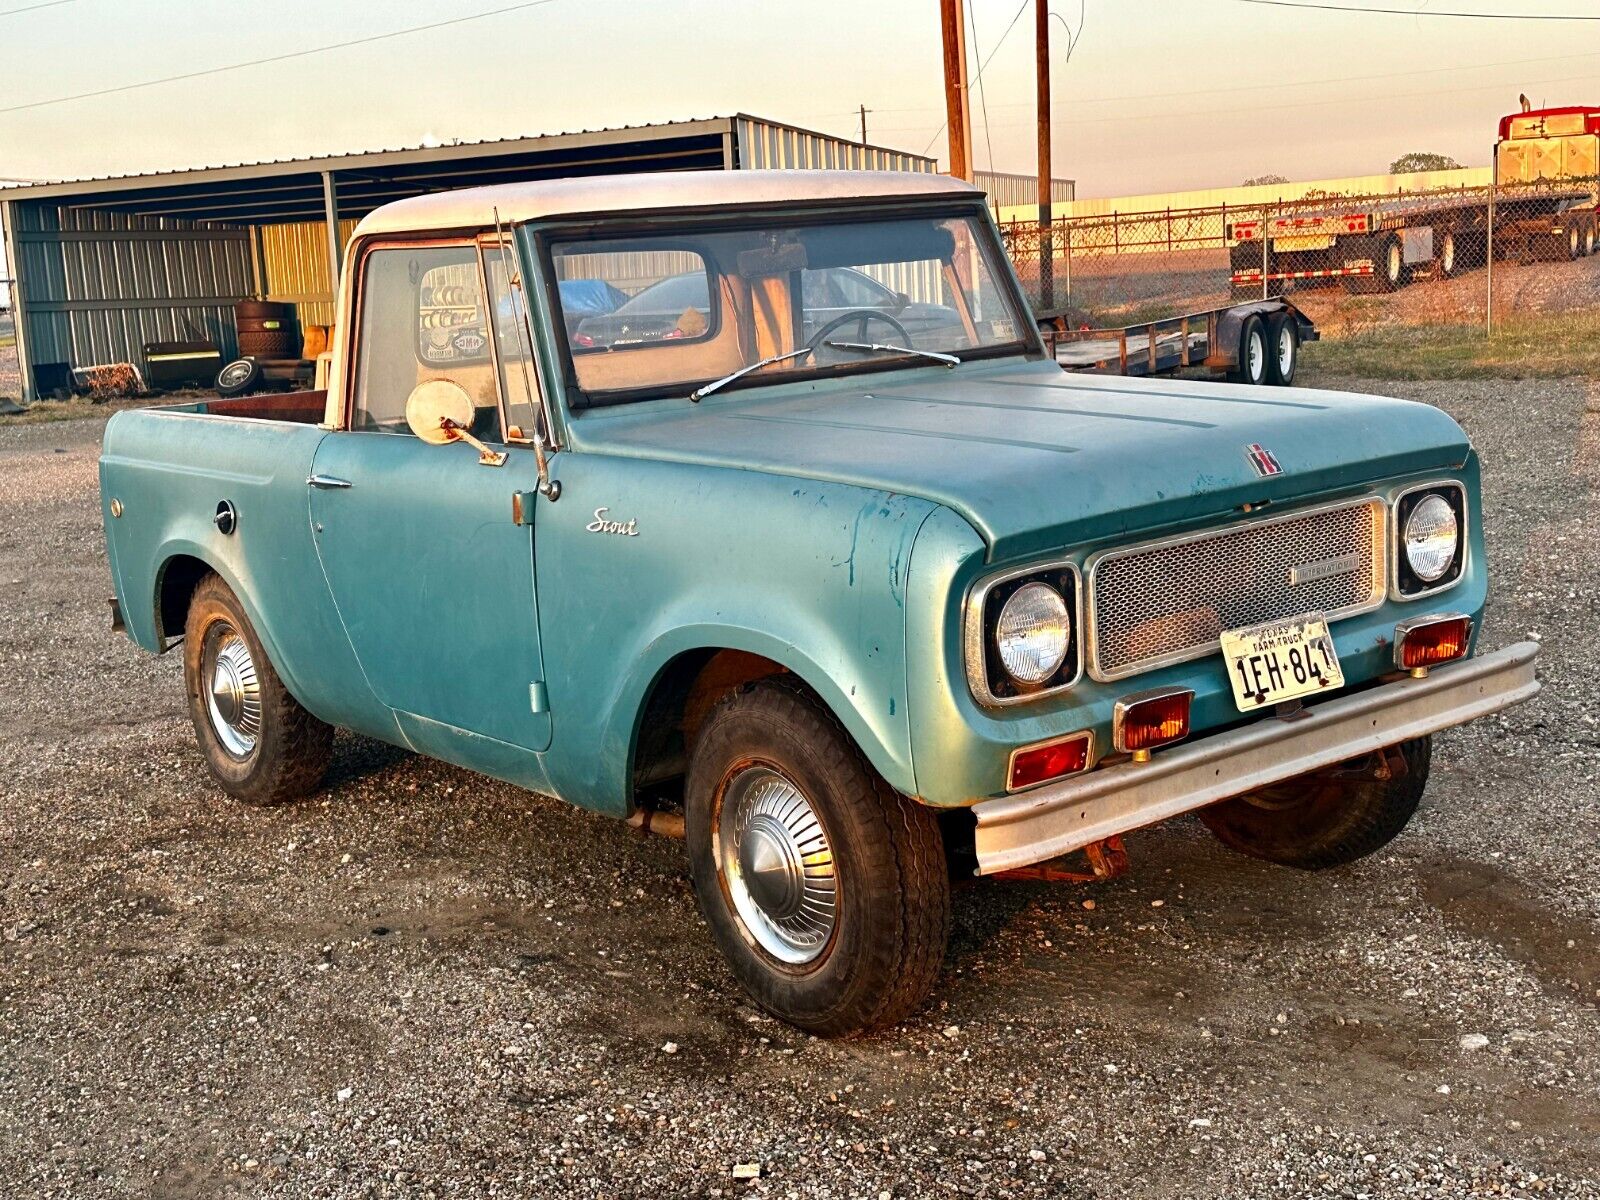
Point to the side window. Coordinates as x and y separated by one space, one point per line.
422 318
513 343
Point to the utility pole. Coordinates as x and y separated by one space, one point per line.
863 124
953 23
1047 248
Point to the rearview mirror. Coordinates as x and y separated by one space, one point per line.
440 412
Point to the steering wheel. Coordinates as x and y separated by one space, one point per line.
862 316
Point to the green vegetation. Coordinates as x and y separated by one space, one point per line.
1533 346
1421 160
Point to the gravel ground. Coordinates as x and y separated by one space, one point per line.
422 982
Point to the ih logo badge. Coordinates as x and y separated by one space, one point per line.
1262 460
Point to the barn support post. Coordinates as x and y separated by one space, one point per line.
330 215
19 312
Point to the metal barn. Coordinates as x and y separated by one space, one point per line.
103 266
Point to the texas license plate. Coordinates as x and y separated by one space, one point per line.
1281 660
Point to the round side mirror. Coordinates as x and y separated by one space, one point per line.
436 409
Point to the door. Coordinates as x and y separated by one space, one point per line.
433 579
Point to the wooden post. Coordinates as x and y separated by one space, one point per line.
863 124
953 23
1047 247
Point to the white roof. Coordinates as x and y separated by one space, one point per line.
475 208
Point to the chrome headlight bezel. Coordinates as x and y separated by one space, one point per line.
986 678
1406 584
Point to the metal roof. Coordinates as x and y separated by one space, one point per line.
475 208
284 190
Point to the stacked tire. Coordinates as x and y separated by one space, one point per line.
267 329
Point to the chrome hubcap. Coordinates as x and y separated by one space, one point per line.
233 697
777 865
1254 356
1285 352
1449 256
1394 261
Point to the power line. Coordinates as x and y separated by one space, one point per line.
1224 112
983 92
276 58
11 12
1424 12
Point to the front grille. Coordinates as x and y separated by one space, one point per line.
1169 601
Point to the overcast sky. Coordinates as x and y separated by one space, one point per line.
1158 94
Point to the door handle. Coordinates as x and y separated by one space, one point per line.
328 482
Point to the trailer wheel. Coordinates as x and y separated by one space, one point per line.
1283 346
1588 238
1251 367
1392 273
1449 260
1574 242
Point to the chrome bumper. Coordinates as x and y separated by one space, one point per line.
1031 826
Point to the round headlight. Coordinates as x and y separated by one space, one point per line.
1431 533
1032 633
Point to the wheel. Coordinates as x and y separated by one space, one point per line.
1328 818
1283 349
827 892
1252 365
238 377
1449 261
262 747
1574 241
1588 238
1389 272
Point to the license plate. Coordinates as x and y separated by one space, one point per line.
1281 660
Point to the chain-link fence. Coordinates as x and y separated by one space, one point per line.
10 369
1467 256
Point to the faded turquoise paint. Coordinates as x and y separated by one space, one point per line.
962 749
170 468
1035 459
811 575
433 580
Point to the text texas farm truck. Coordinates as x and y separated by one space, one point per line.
762 486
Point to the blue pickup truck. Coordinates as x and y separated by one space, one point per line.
834 554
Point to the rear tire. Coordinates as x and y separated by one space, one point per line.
1325 819
1283 349
827 891
1251 367
263 748
1588 237
1449 261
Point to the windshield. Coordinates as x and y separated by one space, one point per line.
653 314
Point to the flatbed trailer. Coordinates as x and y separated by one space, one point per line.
1542 207
1257 341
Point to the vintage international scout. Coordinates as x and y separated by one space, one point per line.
760 486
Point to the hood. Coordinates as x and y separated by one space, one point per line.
1035 458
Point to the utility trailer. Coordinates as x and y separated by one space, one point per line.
1546 166
1255 342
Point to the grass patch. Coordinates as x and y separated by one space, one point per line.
1533 346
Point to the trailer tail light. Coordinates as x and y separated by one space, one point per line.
1050 760
1428 641
1146 721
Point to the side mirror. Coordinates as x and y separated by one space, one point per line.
440 412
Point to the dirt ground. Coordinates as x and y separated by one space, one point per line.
424 983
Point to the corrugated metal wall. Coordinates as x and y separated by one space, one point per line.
294 267
764 146
1006 188
98 285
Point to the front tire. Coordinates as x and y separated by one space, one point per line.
1329 818
827 892
1251 366
262 747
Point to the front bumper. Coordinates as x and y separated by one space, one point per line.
1013 831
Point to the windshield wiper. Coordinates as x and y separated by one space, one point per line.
700 392
949 360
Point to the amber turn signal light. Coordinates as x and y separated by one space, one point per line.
1145 721
1428 641
1050 760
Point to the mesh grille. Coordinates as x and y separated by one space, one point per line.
1173 601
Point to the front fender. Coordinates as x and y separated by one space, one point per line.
810 575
